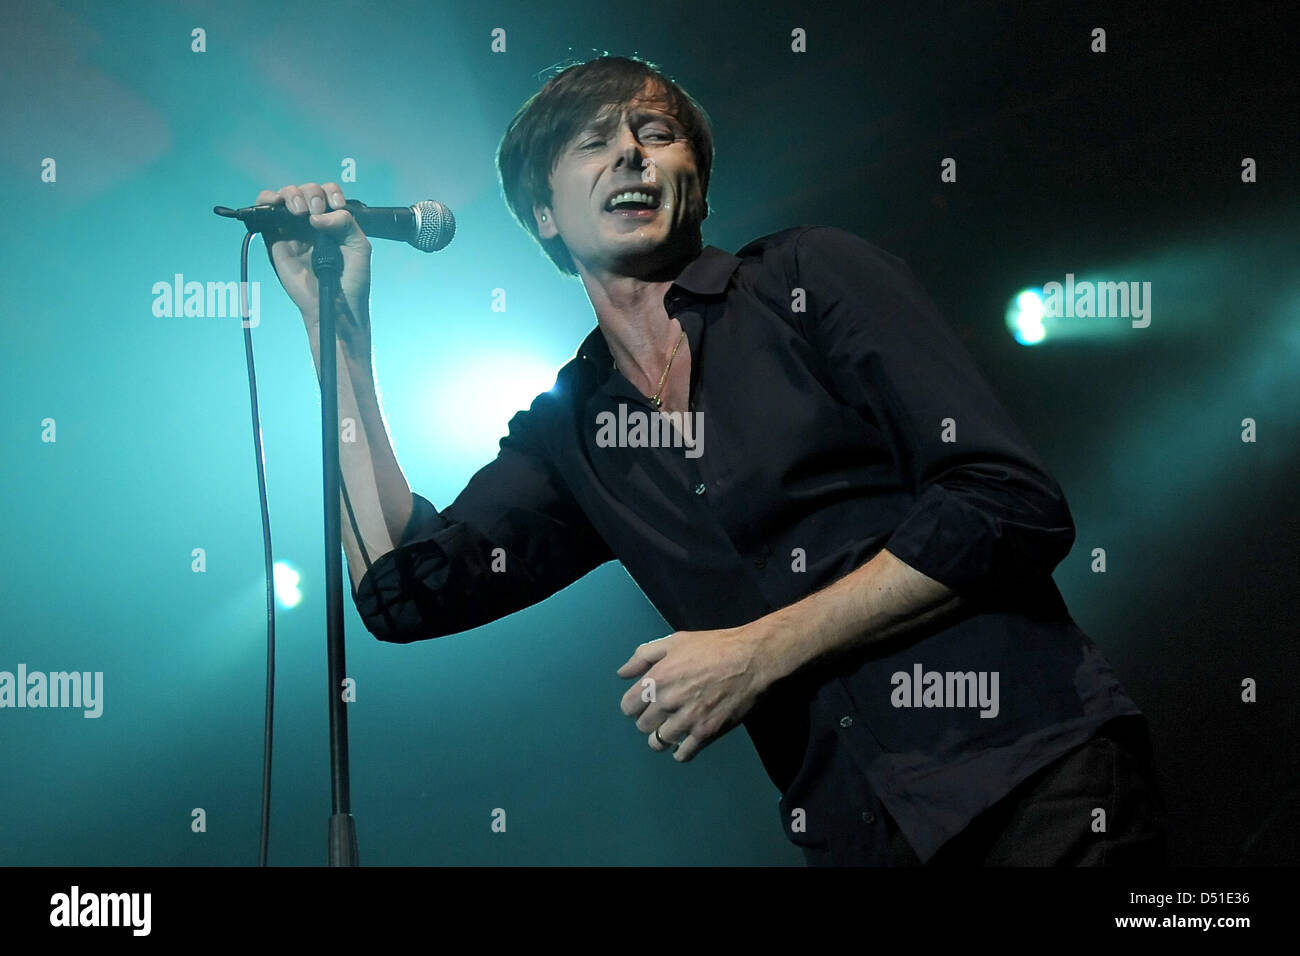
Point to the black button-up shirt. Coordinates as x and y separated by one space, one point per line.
836 414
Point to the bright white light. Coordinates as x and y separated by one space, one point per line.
285 580
1025 317
1031 305
472 408
1030 333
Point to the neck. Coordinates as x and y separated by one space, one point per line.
631 314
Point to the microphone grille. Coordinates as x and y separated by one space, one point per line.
435 225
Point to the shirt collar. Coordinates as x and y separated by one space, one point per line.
706 274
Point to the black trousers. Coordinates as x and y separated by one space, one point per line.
1051 818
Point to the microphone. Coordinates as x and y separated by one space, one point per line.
428 225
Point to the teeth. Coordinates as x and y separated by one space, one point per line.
632 196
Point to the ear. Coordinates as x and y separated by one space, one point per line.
545 220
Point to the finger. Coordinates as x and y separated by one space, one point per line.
341 226
633 667
687 748
644 656
294 200
652 715
335 196
269 197
636 699
315 197
670 731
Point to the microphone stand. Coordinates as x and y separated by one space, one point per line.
327 263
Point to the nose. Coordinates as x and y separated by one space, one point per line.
629 149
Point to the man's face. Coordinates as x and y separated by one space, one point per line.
635 148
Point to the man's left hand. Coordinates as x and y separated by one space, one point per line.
695 685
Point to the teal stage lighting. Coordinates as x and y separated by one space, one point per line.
1025 317
286 580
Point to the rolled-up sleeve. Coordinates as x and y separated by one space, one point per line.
987 517
513 537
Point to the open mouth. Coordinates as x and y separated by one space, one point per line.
633 204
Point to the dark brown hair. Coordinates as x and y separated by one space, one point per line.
552 116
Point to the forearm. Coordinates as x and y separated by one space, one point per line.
882 599
375 486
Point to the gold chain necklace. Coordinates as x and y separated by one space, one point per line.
655 400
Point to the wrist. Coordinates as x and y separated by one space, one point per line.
355 350
351 350
775 646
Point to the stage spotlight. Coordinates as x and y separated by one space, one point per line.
285 579
473 406
1025 317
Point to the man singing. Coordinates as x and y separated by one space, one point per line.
851 539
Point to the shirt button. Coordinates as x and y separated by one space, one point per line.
868 816
846 721
699 489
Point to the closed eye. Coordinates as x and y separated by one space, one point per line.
652 134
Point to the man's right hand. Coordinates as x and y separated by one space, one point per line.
323 207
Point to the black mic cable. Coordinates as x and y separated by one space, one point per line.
264 839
